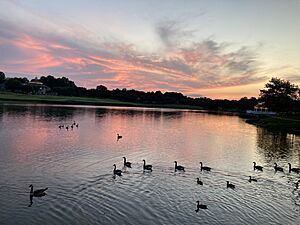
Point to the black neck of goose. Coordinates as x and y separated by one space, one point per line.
31 189
124 160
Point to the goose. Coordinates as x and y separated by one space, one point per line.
204 167
296 170
37 193
119 136
128 164
252 179
67 127
72 126
147 167
255 167
178 167
117 172
200 206
232 186
77 125
199 181
277 168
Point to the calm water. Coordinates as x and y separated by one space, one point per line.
76 165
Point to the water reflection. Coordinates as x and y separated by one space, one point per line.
275 145
79 163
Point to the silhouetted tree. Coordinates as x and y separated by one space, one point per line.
101 88
2 77
279 95
13 84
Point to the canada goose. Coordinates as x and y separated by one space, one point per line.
178 167
117 172
67 127
200 206
255 167
37 193
232 186
119 136
295 170
72 126
128 164
277 168
252 179
147 167
204 167
199 181
77 125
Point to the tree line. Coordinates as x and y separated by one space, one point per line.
278 95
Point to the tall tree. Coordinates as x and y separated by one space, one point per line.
2 77
279 95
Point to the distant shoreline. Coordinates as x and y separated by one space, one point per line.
8 97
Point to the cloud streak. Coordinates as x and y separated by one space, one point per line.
188 67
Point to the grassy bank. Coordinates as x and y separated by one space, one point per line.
284 123
70 100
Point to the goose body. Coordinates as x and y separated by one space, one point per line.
119 136
117 172
200 206
199 181
147 167
255 167
295 170
232 186
178 167
277 168
37 193
128 164
206 168
252 179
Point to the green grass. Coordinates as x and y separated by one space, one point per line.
69 100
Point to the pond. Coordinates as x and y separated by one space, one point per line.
77 167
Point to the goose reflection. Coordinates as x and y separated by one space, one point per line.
37 193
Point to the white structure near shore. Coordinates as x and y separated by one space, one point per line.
259 109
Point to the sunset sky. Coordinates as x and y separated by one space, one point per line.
219 49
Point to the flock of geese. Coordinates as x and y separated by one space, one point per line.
74 124
148 167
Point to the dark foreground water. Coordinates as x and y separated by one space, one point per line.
76 165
